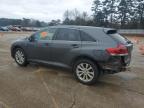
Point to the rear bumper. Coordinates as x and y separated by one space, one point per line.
111 71
114 65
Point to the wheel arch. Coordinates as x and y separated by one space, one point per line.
14 48
85 57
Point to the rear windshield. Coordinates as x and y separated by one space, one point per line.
119 38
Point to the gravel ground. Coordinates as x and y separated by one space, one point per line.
39 86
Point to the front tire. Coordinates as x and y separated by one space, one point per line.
20 57
86 71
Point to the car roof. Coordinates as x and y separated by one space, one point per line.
83 27
89 29
75 27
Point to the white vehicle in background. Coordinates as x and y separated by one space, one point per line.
4 29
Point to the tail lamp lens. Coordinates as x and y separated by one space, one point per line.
119 50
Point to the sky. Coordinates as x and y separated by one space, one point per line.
44 10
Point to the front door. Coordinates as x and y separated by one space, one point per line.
40 47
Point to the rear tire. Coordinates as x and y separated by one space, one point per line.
86 71
20 57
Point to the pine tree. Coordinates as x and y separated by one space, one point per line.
140 12
109 9
98 14
125 11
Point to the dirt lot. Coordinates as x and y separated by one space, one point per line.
39 86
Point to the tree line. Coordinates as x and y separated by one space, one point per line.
110 13
25 22
125 14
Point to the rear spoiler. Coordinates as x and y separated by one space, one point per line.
109 31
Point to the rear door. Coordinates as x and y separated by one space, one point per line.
65 45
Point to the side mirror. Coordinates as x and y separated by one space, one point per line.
31 38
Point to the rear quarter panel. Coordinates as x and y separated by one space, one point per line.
97 49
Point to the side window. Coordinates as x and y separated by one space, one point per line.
45 34
68 34
86 37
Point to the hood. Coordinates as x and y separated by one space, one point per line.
19 39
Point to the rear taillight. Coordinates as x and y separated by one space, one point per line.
119 50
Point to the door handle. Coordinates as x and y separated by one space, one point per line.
75 46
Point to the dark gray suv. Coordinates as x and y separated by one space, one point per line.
88 51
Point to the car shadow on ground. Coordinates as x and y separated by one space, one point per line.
67 74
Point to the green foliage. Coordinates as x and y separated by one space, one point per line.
119 13
110 13
54 22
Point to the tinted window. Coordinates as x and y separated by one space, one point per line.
86 37
68 34
119 38
45 34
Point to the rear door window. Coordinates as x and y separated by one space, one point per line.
86 37
68 34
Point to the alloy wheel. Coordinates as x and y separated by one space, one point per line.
85 72
19 57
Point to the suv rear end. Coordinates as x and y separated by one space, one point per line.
121 54
112 52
